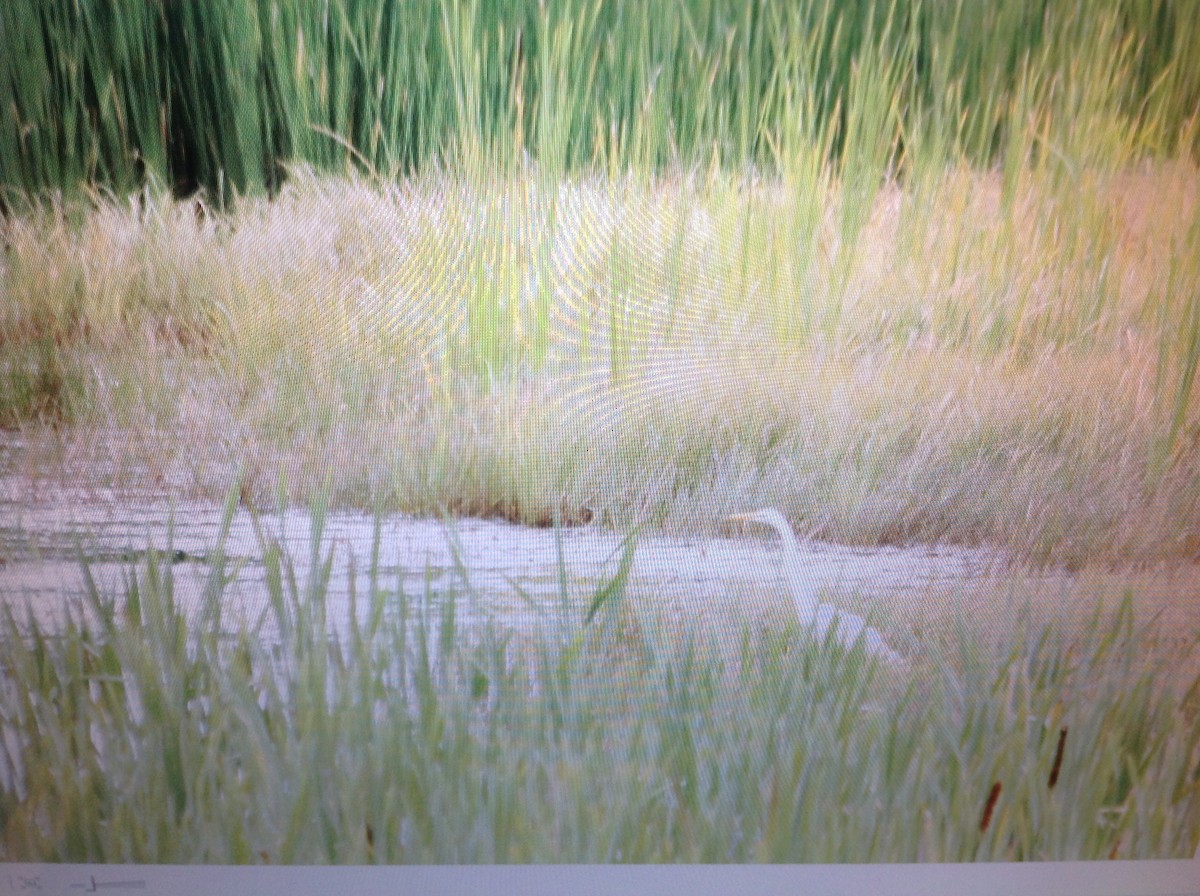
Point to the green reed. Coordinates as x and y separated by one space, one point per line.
218 95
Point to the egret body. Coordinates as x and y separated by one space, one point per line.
812 613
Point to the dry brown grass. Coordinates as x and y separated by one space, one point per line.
982 373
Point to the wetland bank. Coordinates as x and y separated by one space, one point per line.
278 458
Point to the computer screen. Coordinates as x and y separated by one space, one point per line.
542 445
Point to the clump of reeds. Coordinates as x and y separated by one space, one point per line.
115 94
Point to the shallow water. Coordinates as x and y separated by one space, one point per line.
45 531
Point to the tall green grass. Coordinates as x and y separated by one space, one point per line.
218 94
147 731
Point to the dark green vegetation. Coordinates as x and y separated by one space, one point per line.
217 94
144 733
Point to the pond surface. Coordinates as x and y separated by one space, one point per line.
512 572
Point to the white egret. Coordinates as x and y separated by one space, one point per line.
814 614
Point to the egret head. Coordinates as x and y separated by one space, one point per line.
767 516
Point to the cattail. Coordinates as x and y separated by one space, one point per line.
1058 755
993 795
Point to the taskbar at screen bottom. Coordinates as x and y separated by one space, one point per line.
1149 878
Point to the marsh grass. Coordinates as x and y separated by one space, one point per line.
976 370
607 733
